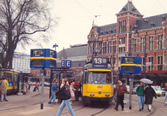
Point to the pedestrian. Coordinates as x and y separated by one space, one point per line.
25 88
72 90
53 92
65 96
140 94
2 88
6 89
149 94
120 90
77 88
35 87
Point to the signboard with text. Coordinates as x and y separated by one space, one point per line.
66 63
130 65
43 58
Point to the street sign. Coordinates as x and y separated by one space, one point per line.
66 63
130 65
43 58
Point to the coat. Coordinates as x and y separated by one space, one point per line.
64 93
149 94
121 89
2 87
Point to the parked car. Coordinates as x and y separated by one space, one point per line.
158 90
46 84
128 89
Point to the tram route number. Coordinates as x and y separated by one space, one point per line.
98 60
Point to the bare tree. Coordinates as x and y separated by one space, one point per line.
19 20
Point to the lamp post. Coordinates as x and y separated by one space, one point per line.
145 56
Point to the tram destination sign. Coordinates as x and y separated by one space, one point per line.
99 62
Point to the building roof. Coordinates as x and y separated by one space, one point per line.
141 24
150 22
106 29
76 50
129 7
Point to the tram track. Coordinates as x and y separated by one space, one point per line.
23 106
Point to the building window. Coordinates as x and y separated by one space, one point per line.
160 63
160 38
121 49
114 46
150 59
122 26
142 44
109 47
166 61
92 36
104 47
151 43
122 40
133 45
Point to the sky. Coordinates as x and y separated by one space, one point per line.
75 18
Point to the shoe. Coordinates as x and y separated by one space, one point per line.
49 102
5 100
140 109
54 103
116 109
149 110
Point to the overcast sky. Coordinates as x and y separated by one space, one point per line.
75 18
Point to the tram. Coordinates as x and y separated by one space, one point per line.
12 78
97 81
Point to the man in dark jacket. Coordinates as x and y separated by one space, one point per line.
149 94
65 96
120 90
140 94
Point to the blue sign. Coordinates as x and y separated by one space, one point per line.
130 65
43 58
66 63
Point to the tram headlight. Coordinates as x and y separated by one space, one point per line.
99 91
107 95
92 94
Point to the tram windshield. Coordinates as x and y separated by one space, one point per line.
98 77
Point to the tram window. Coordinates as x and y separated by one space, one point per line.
98 78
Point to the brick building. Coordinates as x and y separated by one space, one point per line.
133 35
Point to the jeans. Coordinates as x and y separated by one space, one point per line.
165 96
53 96
5 96
63 104
141 102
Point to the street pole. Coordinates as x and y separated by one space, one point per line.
42 89
131 88
145 56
